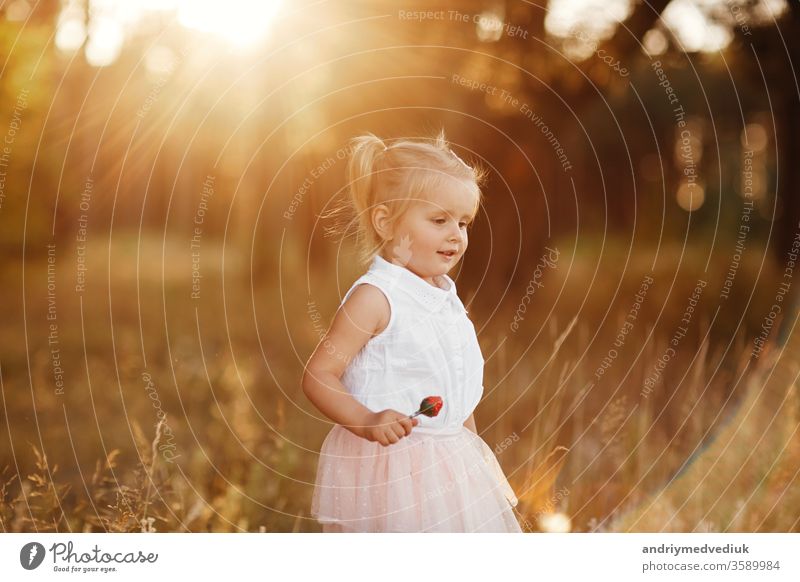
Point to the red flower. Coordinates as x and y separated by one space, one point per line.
430 406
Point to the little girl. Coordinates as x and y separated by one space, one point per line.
400 335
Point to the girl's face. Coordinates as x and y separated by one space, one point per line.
431 236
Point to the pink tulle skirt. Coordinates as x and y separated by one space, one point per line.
427 482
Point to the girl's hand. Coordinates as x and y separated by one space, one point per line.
388 426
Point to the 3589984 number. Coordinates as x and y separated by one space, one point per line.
756 565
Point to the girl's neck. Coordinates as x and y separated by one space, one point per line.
437 281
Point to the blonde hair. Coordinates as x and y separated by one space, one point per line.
394 175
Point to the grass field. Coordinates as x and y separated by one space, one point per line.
181 414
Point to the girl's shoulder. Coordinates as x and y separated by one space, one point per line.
372 280
367 301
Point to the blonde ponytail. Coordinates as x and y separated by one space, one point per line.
361 179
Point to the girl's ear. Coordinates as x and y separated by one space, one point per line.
381 222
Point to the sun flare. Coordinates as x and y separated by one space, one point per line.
241 22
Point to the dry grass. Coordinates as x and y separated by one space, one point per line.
703 458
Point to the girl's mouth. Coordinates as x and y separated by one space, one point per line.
447 254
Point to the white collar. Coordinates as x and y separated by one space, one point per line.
429 296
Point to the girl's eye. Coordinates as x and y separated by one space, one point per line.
463 224
439 220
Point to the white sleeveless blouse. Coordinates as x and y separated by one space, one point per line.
429 348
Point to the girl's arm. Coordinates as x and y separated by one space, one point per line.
470 423
364 315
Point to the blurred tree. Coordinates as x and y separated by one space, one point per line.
334 71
